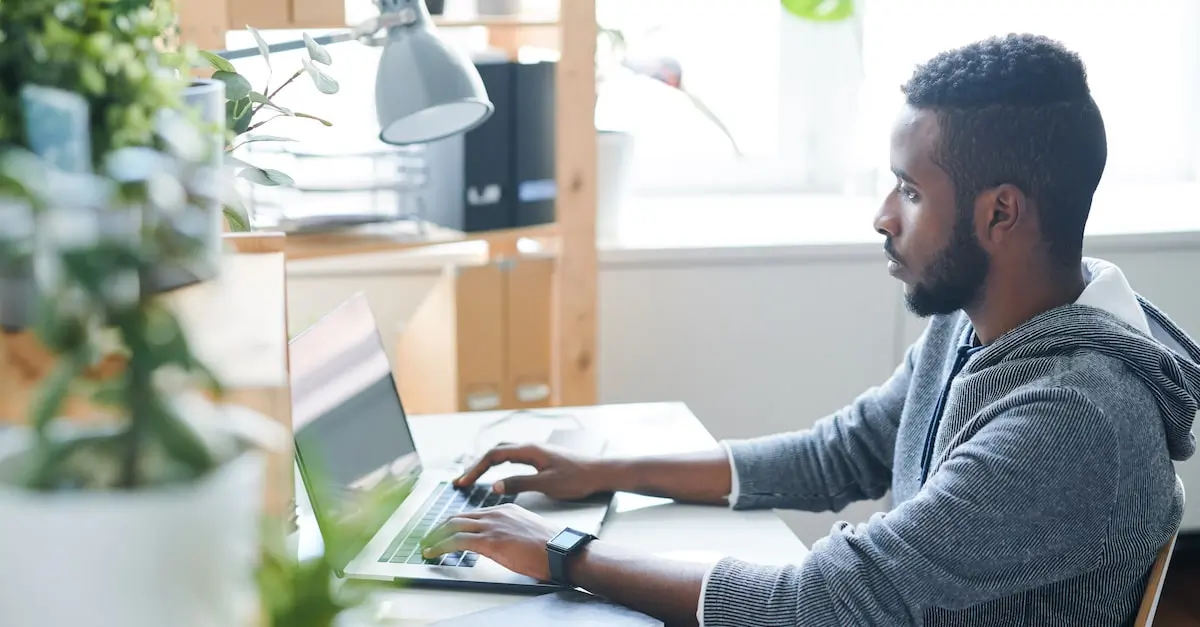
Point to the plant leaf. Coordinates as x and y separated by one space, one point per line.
263 100
265 176
316 51
820 10
324 83
218 62
313 117
266 138
237 223
236 85
184 444
263 49
232 160
53 393
237 116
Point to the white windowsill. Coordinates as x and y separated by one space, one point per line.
712 224
736 227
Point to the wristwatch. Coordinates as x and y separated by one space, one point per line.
568 542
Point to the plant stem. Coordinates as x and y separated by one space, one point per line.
258 124
139 397
271 96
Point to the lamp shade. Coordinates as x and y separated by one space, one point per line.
426 90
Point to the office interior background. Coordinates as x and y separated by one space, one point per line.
740 156
752 286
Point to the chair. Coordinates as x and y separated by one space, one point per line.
1154 587
1158 576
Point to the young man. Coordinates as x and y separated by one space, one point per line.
1027 439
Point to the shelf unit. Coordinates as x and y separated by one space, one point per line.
571 239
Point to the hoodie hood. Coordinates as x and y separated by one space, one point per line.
1111 319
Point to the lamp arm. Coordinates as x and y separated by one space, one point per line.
367 33
284 46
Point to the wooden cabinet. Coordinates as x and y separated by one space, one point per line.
204 23
480 340
286 14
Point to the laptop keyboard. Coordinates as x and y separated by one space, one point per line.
446 501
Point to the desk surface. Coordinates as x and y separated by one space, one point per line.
655 525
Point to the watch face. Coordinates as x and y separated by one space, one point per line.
566 539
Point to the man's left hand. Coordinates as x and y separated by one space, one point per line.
509 534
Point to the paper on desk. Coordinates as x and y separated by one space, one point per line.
569 607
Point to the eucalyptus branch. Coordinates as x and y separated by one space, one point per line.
258 124
271 96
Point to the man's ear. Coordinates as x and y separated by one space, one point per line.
999 212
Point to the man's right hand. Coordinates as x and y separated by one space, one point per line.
560 474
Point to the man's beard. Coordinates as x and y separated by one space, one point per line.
954 280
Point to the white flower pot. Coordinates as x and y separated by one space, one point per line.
201 220
614 155
179 556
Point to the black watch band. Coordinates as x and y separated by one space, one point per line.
568 542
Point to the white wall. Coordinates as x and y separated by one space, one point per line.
754 340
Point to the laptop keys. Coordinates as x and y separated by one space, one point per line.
405 548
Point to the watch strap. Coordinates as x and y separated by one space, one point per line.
558 558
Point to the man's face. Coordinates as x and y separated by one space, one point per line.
931 243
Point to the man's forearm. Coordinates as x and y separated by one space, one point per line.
703 477
665 589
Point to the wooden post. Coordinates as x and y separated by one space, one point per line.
575 282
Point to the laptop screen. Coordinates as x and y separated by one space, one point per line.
353 443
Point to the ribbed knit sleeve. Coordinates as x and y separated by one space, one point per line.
1024 503
843 458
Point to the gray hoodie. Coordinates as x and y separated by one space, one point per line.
1040 495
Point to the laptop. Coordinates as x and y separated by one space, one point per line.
372 497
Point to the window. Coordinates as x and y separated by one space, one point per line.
811 104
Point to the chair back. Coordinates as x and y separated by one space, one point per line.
1158 576
1154 587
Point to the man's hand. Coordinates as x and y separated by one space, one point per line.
510 535
516 539
561 475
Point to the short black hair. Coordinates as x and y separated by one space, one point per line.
1017 109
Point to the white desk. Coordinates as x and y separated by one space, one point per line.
653 525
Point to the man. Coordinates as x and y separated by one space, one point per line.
1027 438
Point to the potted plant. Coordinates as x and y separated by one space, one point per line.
247 110
144 510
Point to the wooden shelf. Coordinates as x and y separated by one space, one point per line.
572 238
397 237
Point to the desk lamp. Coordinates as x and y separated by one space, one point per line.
425 90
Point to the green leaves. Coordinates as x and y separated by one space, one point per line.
324 83
316 51
234 218
250 139
265 176
218 62
263 49
313 117
109 234
53 393
238 114
258 98
236 85
820 10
